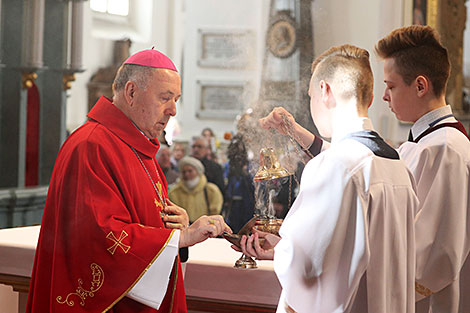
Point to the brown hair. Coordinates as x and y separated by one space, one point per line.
349 66
417 50
132 72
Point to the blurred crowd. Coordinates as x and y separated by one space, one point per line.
206 178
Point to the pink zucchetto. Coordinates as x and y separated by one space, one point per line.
151 58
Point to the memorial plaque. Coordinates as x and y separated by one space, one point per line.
226 49
222 100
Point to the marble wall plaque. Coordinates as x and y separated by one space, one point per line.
225 49
222 100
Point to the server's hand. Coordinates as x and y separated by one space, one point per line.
277 120
251 246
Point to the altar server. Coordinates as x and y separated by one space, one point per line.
348 240
416 71
109 236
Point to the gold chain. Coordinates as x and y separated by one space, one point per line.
289 129
290 189
160 196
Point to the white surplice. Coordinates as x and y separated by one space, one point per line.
348 241
440 163
152 286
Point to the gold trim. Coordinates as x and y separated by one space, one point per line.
141 274
288 308
160 189
144 226
158 204
118 242
424 291
67 80
27 79
82 293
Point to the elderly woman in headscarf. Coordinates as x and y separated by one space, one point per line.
193 192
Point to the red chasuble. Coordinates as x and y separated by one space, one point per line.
101 227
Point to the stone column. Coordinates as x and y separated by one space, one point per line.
33 31
51 83
76 35
12 96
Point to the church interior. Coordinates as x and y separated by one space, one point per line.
236 59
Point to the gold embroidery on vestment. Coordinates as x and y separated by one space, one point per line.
160 190
117 242
422 290
288 308
82 293
144 226
158 204
141 274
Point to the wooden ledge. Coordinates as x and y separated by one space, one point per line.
19 283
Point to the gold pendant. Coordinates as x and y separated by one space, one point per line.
158 204
159 207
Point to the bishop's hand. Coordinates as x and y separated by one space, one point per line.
175 217
250 246
203 228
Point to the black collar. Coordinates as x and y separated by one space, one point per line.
375 143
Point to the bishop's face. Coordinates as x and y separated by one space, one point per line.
153 106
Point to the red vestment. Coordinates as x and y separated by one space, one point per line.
101 226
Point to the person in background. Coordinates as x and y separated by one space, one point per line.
416 71
213 171
109 234
348 240
194 192
178 151
208 133
163 159
239 202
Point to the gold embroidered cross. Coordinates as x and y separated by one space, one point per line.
118 242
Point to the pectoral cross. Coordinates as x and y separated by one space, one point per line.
117 242
158 204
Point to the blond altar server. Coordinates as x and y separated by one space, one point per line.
416 71
348 240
